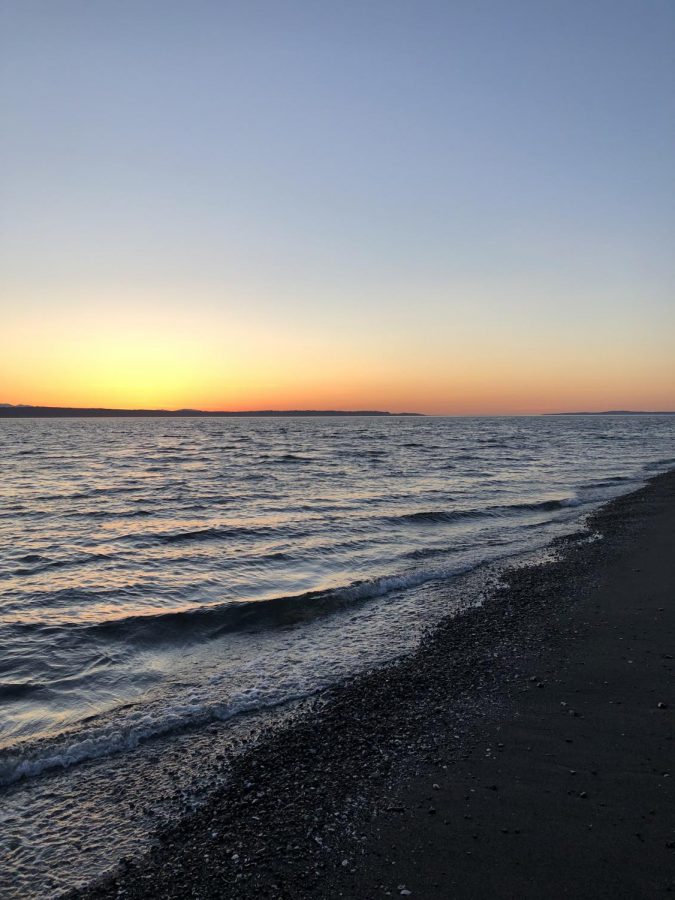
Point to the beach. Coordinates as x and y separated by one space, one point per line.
524 750
337 451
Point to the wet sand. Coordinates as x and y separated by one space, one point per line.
524 751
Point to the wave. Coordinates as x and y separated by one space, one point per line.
210 622
435 517
44 564
608 482
660 463
31 761
109 513
130 727
541 505
218 532
427 552
110 490
43 567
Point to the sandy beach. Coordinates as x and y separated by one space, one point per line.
525 750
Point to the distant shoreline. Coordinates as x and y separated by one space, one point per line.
70 412
617 412
26 411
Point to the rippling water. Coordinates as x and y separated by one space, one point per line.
169 573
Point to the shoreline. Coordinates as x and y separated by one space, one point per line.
28 411
316 809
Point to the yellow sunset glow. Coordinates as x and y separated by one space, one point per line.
130 355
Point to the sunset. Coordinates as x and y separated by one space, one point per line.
273 205
465 353
337 449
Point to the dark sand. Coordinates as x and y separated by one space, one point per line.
525 751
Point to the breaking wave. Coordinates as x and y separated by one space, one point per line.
208 622
433 517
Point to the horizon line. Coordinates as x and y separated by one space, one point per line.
28 410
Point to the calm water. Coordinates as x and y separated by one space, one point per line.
163 574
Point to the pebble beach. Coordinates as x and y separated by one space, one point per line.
519 751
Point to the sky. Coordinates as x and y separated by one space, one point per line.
446 207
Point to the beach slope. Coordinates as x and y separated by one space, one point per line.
524 751
570 792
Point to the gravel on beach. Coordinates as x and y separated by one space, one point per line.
365 793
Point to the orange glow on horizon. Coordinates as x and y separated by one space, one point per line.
128 357
171 390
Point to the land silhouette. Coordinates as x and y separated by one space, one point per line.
21 411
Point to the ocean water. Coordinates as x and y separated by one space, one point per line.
165 583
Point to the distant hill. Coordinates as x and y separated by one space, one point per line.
20 411
618 412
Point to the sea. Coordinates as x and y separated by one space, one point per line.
170 587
